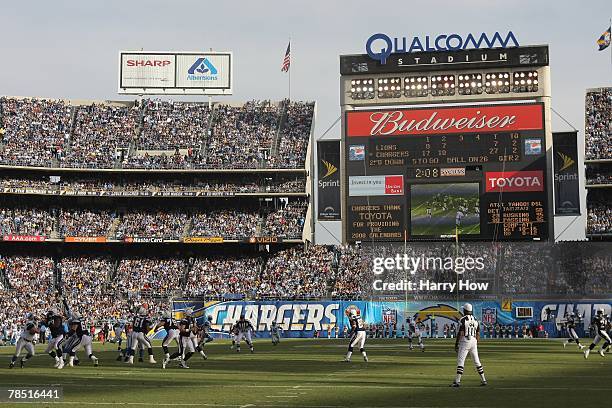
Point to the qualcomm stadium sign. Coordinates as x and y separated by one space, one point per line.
380 46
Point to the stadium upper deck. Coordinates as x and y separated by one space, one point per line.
154 134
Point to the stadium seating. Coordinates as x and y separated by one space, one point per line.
154 134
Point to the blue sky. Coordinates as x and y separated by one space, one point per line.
70 48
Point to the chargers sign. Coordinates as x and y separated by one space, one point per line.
380 46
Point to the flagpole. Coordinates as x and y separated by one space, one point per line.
290 72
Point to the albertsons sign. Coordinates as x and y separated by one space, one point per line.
380 46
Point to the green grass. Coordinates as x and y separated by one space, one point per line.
521 373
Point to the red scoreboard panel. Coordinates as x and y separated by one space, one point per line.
428 173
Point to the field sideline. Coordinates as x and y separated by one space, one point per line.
310 373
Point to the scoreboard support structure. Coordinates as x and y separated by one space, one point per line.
450 145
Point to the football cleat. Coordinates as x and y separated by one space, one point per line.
365 358
61 364
95 361
152 360
564 344
586 353
140 360
455 385
165 361
119 357
601 353
483 384
183 365
22 363
580 346
12 364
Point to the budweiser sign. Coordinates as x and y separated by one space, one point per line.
481 119
514 181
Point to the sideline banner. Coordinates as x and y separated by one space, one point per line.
303 319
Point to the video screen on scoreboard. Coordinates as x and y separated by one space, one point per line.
438 210
477 172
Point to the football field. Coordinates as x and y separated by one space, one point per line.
310 373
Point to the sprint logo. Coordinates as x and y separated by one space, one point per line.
567 161
331 169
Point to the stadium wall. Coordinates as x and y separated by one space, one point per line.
303 319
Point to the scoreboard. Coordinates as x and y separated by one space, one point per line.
476 171
452 146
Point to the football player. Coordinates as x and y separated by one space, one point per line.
357 333
172 333
25 341
275 333
245 330
204 336
80 338
601 324
414 331
56 326
140 327
186 348
570 326
467 343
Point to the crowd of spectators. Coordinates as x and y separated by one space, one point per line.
100 133
241 135
107 187
287 221
598 124
599 215
85 223
26 221
218 277
152 224
156 277
154 134
171 125
34 132
294 136
225 223
599 175
86 287
297 273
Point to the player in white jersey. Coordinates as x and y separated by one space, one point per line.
414 331
602 325
245 331
275 333
467 343
25 341
357 333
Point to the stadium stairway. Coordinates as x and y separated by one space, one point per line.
112 231
281 124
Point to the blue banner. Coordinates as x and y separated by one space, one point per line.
319 318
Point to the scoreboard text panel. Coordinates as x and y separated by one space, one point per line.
476 171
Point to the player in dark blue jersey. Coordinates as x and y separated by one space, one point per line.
141 325
186 346
55 325
601 324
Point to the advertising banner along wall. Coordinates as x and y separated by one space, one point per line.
328 188
567 194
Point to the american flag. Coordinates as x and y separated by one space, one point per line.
287 59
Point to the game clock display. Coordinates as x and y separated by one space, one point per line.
478 172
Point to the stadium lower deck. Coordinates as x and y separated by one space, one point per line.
311 373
